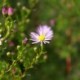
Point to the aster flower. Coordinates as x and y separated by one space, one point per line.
43 34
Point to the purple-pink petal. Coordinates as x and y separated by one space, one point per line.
42 30
49 35
34 36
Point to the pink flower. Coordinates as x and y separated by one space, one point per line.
52 22
10 11
24 41
11 43
4 10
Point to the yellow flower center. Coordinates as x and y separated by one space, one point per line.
41 38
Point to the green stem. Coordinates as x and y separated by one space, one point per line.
7 34
11 66
36 58
7 28
41 47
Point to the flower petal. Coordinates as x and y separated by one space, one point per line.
34 36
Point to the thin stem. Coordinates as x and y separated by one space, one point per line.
11 66
7 28
41 47
35 59
7 34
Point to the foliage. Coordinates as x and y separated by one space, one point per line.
22 60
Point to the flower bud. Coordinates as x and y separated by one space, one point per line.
24 41
10 11
52 22
23 8
35 49
8 53
18 4
18 46
11 43
45 57
4 10
21 60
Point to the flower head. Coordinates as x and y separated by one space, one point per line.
4 10
10 11
43 34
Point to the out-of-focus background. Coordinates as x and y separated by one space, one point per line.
62 60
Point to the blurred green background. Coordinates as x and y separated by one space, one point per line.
64 18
